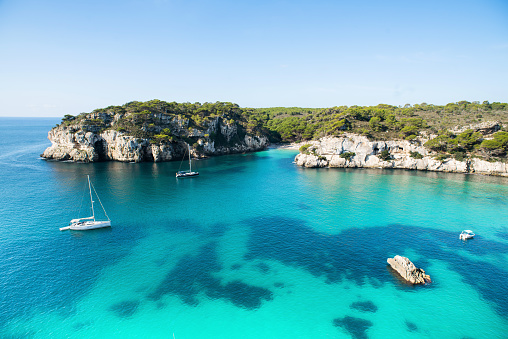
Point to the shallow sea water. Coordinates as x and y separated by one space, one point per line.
254 247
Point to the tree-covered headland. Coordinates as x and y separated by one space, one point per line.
434 123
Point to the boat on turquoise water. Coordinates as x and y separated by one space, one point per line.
189 173
89 223
466 234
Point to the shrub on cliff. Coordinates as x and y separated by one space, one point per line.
441 157
385 155
348 155
439 143
68 118
459 156
161 138
415 155
375 124
496 146
409 131
468 139
305 148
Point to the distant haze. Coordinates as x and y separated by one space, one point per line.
67 57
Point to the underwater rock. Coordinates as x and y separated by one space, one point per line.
125 309
408 270
364 306
357 327
411 327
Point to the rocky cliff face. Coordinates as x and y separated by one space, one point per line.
326 152
88 143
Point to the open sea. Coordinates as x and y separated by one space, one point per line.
255 247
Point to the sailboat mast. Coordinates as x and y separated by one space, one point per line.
190 163
91 200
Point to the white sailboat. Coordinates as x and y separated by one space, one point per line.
189 173
88 223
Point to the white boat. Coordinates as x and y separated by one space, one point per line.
88 223
189 173
466 234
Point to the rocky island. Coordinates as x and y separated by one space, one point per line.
153 131
408 270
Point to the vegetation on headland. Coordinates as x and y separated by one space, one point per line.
165 122
293 124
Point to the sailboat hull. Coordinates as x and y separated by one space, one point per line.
189 173
186 174
87 225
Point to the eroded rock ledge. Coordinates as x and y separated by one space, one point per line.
326 152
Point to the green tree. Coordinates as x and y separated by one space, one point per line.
375 124
498 145
348 155
439 143
385 155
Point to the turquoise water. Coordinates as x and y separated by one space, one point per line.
254 247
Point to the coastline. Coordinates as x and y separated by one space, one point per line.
354 151
290 146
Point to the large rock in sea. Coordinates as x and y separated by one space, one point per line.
408 270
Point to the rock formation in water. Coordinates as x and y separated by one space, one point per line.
150 131
408 270
352 151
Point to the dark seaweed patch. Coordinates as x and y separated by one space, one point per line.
217 230
359 255
357 327
81 325
125 309
364 306
195 274
229 170
241 294
263 268
302 206
411 327
190 275
503 234
184 226
236 266
189 226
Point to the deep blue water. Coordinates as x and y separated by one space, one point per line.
253 247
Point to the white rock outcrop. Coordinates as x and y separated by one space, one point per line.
408 270
486 127
327 151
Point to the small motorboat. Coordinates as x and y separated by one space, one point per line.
467 234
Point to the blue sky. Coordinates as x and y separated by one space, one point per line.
68 57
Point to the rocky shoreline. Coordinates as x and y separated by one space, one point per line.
80 143
356 151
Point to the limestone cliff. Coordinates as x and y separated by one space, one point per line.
157 137
338 152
